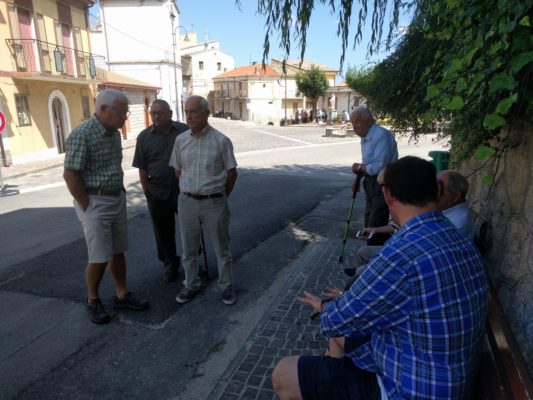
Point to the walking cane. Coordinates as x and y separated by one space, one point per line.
348 220
205 271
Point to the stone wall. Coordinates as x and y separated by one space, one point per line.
507 206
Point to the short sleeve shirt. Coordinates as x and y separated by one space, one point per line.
96 154
152 154
203 160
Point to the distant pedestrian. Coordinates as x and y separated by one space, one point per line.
94 177
378 149
207 170
159 182
345 116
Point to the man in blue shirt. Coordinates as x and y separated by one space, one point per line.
378 148
417 309
452 202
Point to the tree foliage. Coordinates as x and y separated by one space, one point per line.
394 87
280 14
466 62
481 74
312 84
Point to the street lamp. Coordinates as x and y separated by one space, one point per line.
186 39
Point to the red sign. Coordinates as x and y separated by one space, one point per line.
2 121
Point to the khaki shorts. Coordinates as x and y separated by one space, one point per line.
105 225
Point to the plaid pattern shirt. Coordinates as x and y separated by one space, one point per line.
203 160
422 302
97 154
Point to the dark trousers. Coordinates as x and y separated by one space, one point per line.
376 210
163 213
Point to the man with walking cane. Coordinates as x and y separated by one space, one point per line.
207 171
378 148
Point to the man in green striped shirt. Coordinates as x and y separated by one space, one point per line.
94 177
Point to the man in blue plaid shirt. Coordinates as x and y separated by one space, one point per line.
416 312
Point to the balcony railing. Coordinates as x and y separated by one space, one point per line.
32 55
230 94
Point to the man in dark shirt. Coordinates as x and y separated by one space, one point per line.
158 181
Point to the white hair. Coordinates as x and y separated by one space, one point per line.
201 100
108 97
364 112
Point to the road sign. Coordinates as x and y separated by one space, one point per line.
2 121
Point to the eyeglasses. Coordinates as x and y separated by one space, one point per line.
157 113
122 113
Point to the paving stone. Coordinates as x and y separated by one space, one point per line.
250 394
287 329
255 381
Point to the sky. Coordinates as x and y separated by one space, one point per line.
241 33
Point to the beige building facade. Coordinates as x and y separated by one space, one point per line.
47 75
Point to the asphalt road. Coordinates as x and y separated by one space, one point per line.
50 350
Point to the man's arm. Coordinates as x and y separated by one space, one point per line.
384 151
231 178
143 178
379 299
75 187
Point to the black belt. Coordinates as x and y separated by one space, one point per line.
203 196
104 192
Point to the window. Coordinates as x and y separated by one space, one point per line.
80 58
85 107
219 66
23 111
201 64
46 62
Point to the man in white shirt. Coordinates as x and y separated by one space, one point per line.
207 171
453 188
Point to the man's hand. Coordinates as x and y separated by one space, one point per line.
331 293
358 168
311 300
75 187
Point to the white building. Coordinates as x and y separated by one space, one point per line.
249 93
140 39
201 62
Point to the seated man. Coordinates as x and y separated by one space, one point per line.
421 302
453 188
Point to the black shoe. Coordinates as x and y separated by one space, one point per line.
130 302
186 295
228 296
97 312
171 270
